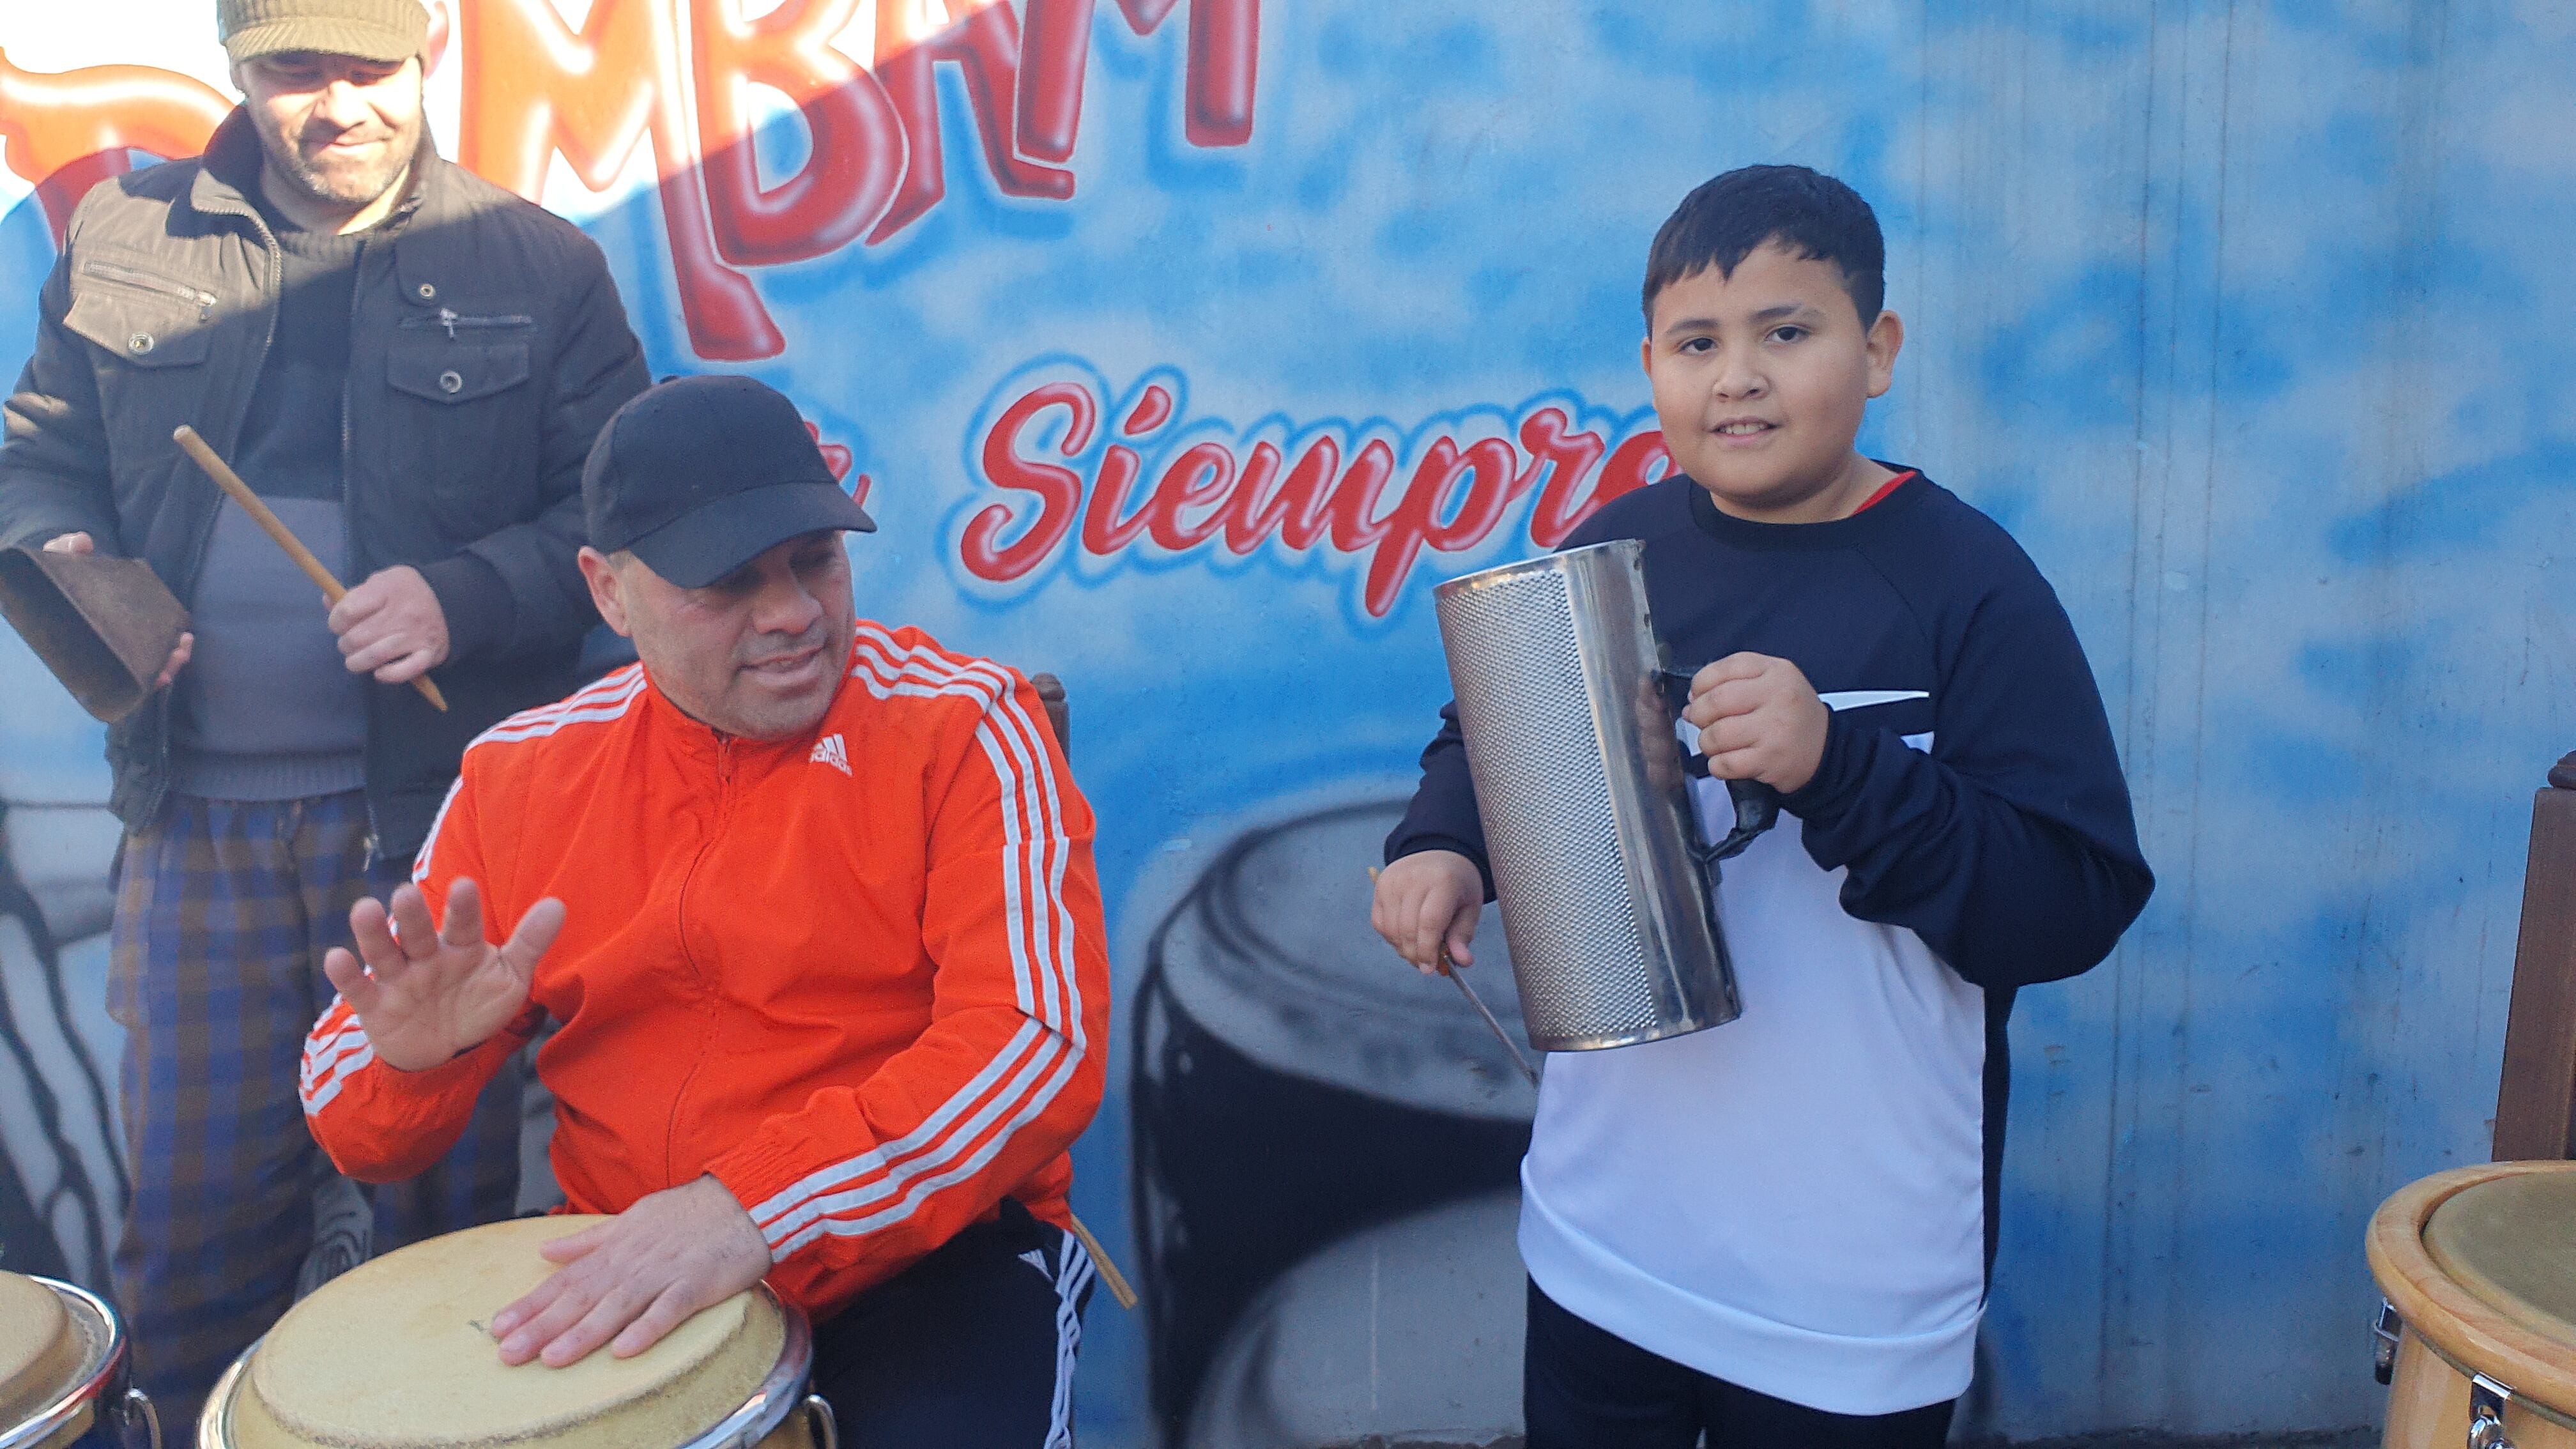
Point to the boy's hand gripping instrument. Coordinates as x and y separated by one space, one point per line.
1757 806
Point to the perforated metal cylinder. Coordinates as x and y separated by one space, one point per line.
1578 771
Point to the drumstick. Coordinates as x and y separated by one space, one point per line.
1478 1002
1109 1274
269 523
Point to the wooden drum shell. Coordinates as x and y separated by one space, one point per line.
2451 1334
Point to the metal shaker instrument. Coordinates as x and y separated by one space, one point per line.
1607 882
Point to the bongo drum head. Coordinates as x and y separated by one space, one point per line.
39 1349
394 1354
2511 1241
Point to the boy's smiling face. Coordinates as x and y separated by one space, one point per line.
1760 378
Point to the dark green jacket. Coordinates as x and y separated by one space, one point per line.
486 349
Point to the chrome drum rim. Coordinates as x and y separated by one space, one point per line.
101 1368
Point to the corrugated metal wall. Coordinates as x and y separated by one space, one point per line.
2254 322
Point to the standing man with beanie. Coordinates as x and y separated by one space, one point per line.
409 364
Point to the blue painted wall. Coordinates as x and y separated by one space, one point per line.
2250 320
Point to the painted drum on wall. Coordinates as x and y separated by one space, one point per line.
732 1375
2477 1330
62 1169
1408 1332
1294 1081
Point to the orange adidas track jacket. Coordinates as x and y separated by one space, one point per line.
859 976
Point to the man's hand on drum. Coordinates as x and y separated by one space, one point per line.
426 995
630 1280
1759 719
1428 901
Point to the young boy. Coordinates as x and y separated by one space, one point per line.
1778 1231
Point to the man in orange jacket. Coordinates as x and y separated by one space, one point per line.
813 902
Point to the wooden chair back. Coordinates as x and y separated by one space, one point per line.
1060 714
2536 1100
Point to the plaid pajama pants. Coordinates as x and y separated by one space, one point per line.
223 912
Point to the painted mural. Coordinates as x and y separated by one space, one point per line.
1179 346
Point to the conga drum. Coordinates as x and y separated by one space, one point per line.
1294 1082
394 1354
1405 1333
2477 1336
63 1369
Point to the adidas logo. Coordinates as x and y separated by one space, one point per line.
830 751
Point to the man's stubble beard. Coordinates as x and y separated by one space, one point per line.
357 192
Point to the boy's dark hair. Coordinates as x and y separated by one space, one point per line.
1729 216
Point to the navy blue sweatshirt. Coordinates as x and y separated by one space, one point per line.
1967 833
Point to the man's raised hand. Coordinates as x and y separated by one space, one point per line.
425 995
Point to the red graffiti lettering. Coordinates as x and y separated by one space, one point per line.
985 46
1058 488
533 88
1224 55
1200 477
1103 531
1633 464
1225 49
1152 411
677 75
67 132
837 458
1457 495
1567 458
1308 506
856 151
1490 465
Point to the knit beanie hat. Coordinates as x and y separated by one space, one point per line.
387 30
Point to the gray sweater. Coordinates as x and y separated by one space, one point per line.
266 708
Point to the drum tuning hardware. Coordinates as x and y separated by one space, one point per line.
139 1410
2384 1333
2487 1399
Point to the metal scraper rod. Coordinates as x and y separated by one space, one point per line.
1450 970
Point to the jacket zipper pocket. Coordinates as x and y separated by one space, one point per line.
146 281
447 317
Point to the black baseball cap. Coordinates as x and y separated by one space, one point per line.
698 476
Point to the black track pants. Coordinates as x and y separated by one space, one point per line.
972 1347
1586 1388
